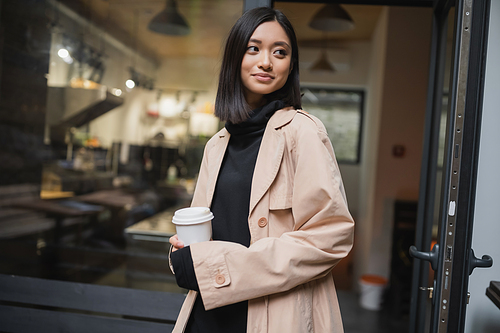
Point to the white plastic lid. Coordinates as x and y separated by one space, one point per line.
192 215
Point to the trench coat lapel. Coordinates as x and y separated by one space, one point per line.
216 155
270 155
268 159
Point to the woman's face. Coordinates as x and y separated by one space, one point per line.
266 63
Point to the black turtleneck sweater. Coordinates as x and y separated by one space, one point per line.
230 206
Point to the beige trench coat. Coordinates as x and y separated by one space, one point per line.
300 229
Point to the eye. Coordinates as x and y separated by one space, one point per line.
252 49
281 53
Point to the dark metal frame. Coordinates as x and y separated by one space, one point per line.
463 257
249 4
450 175
454 259
406 3
419 296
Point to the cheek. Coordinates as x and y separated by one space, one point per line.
284 71
245 64
281 82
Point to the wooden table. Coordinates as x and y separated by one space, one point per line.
115 199
149 240
59 210
56 194
158 227
119 202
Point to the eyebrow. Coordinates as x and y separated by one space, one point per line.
280 43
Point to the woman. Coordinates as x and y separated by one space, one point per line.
270 178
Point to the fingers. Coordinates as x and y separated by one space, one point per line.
174 240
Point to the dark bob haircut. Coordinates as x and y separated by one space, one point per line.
230 103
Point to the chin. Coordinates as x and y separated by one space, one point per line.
266 91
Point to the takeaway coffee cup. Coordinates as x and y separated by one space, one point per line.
193 224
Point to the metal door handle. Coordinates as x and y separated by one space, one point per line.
485 261
432 256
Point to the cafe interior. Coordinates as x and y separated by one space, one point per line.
106 106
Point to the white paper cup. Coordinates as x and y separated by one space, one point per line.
193 224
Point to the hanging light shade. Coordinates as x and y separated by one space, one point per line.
332 18
169 21
322 64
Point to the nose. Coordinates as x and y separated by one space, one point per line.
265 61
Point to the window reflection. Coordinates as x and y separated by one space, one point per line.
102 128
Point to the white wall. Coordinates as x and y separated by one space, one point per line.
482 314
366 184
399 97
351 61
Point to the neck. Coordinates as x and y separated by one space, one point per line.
254 100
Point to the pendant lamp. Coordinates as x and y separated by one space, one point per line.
169 21
322 64
332 18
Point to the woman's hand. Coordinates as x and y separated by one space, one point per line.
177 244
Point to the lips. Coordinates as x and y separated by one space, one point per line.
263 76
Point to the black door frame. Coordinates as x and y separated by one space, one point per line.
453 259
427 187
463 259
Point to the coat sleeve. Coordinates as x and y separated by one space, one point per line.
323 234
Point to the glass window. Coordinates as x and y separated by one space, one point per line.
104 114
341 111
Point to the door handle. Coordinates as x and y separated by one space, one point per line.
485 261
432 256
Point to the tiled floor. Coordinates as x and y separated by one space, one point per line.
359 320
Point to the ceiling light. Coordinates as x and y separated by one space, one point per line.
332 18
322 64
63 53
130 84
169 21
116 91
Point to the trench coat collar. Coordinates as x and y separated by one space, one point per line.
268 158
270 155
279 119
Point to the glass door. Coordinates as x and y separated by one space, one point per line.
447 187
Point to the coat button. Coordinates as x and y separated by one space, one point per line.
220 279
262 222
